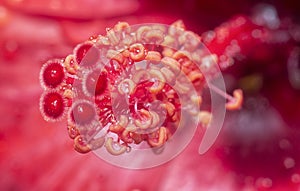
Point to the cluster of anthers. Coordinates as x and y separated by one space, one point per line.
127 88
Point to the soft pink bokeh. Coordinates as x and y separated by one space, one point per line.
258 149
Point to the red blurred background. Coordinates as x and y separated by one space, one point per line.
258 148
